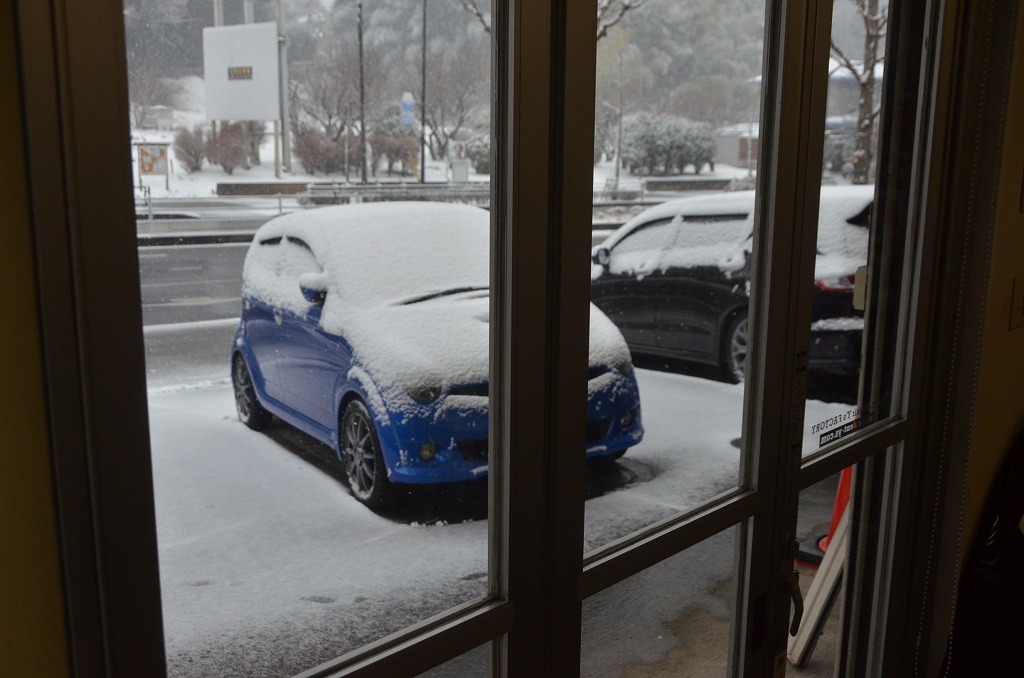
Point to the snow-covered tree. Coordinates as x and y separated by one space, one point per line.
875 17
609 13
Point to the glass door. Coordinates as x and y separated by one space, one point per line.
763 301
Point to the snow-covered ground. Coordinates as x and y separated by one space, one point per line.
270 566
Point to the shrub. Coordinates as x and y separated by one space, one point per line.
319 153
311 148
230 148
478 152
189 148
393 148
663 144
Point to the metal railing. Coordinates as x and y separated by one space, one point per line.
336 193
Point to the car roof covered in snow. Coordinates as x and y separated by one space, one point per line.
384 252
838 205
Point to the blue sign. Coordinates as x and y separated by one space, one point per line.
406 119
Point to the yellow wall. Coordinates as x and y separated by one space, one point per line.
32 637
999 410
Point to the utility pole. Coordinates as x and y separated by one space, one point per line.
282 89
348 130
362 93
423 101
618 150
218 20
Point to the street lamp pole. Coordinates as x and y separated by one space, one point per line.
362 95
618 150
423 101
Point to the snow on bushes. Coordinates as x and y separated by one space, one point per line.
189 148
229 148
478 152
666 144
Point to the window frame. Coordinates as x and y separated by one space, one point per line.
74 88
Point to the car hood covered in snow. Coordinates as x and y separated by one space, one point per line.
407 287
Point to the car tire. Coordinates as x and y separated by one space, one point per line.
363 461
735 344
247 404
606 459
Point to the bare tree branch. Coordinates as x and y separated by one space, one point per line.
609 13
848 64
473 9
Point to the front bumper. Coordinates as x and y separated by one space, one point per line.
835 350
455 429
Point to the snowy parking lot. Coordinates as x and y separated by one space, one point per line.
269 566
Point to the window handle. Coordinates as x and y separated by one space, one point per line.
793 584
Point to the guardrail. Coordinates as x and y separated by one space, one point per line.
224 208
339 193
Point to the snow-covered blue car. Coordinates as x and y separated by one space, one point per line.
366 326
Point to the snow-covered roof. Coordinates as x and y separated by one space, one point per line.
407 286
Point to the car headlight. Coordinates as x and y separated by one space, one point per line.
424 394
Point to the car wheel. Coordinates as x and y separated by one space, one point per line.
606 459
250 411
360 451
734 349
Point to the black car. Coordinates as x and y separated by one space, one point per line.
676 279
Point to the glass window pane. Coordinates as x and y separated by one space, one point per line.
852 289
672 619
678 104
813 651
474 664
318 373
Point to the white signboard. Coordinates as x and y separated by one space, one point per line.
241 72
458 162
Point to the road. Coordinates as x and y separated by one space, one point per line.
185 283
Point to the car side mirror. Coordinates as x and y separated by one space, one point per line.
313 296
602 256
314 287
